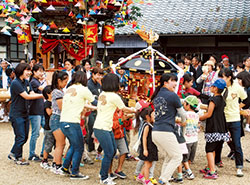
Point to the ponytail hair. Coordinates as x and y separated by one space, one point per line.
228 73
164 78
56 76
142 115
35 68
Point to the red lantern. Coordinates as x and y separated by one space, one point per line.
108 35
91 33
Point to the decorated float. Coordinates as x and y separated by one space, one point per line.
145 68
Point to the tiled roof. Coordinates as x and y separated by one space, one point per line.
194 17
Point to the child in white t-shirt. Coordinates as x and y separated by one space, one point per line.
190 133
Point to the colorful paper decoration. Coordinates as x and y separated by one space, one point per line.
53 25
108 34
51 8
66 30
79 16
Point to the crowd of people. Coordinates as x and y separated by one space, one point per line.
84 104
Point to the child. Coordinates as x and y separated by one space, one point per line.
191 127
59 81
120 120
191 136
138 128
216 130
148 150
49 140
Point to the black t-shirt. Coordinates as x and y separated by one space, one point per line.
166 104
47 104
217 122
19 106
36 106
247 100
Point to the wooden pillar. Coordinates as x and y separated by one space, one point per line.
56 55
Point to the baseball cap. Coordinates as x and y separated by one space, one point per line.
224 57
220 83
192 100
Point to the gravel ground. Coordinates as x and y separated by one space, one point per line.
34 174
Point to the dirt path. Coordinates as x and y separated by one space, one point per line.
12 174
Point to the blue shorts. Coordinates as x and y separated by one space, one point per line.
54 122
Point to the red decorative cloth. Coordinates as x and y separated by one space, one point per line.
74 48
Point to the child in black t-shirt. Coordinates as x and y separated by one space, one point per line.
49 140
216 130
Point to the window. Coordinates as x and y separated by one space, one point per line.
16 50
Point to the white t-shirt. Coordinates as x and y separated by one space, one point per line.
191 128
108 102
74 100
4 80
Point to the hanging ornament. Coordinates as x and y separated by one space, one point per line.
108 34
32 19
51 8
66 30
90 32
53 25
79 16
71 14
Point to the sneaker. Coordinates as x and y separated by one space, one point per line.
247 129
79 176
140 180
153 180
210 176
107 181
239 173
233 157
89 161
161 182
11 157
171 179
35 158
205 170
220 164
45 165
112 176
120 175
81 165
189 176
230 154
61 171
21 162
248 160
53 168
5 119
147 182
176 180
65 171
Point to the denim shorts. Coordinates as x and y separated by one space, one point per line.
54 122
